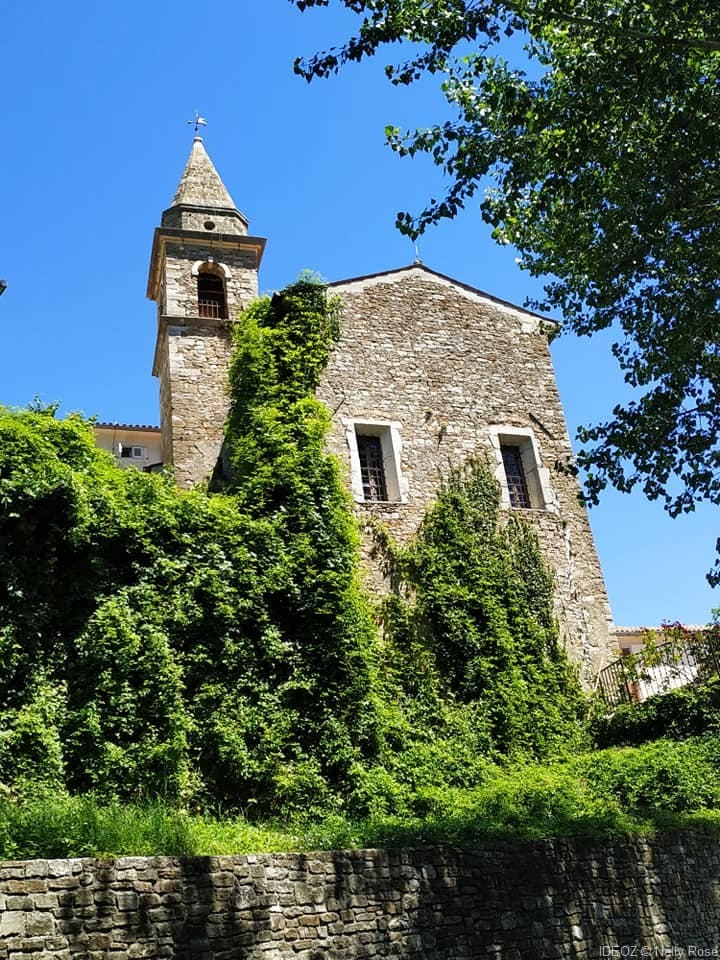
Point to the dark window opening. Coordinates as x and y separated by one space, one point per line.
132 453
211 296
372 470
515 477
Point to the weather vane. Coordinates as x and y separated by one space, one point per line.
198 121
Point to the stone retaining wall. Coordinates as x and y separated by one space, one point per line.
559 899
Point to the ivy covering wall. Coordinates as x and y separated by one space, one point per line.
216 647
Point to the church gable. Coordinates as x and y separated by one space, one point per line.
429 374
417 346
418 272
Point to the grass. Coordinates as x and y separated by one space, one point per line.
621 791
77 827
63 826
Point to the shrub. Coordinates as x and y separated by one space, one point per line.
664 774
215 649
203 648
677 714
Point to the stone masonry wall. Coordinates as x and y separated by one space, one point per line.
547 899
448 365
193 355
193 368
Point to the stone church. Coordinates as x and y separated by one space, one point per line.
428 372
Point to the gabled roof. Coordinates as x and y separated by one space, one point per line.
441 278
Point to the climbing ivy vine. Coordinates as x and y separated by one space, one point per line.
472 671
216 647
211 647
482 597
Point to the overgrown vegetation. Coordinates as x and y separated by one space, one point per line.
470 671
483 601
658 787
204 648
678 714
168 655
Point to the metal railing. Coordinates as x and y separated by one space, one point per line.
214 309
661 667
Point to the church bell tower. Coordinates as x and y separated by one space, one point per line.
203 273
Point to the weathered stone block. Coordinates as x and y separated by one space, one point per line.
40 925
12 923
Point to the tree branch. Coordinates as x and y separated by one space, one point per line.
698 43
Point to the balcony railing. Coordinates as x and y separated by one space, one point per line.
688 657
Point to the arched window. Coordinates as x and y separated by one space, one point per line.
211 295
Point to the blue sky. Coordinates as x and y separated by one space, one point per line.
94 142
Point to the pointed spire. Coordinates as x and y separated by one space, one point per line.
200 184
202 201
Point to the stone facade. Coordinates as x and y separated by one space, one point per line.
456 371
547 899
432 371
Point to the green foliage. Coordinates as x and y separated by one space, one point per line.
92 561
318 630
665 774
31 753
478 630
215 649
61 826
598 134
57 825
677 714
206 648
622 791
127 723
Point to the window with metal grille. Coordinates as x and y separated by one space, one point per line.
211 296
515 476
372 470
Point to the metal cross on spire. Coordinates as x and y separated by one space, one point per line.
198 121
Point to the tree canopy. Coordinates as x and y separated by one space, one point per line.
593 125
